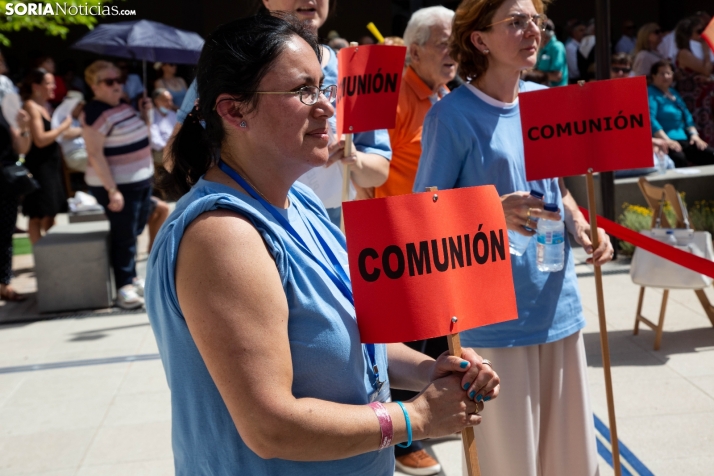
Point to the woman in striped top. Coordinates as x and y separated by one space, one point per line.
119 172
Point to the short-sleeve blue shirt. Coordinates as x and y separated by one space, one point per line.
468 142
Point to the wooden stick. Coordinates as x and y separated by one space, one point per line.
346 171
467 434
346 179
604 346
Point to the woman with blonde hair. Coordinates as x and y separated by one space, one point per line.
119 172
648 39
473 137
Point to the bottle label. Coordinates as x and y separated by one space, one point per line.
551 238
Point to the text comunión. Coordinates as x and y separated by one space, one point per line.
587 126
430 256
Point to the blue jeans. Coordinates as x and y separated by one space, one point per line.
125 226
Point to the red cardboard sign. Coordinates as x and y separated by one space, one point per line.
368 80
708 34
602 125
416 262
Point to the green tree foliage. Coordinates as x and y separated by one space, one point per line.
56 24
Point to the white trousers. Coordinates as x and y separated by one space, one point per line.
541 423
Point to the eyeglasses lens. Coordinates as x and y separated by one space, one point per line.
309 95
521 21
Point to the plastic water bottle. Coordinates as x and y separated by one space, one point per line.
518 243
550 236
670 239
661 162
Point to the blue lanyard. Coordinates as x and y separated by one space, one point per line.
336 273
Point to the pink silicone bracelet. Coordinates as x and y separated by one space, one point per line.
385 424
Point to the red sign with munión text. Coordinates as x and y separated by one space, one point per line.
429 264
368 81
601 125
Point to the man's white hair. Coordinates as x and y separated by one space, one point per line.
419 26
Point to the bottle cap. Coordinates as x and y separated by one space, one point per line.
536 194
551 207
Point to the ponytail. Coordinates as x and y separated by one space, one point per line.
193 154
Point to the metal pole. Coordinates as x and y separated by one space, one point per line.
602 58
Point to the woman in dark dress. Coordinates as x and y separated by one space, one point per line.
13 141
44 159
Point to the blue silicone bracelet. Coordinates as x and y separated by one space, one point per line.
409 427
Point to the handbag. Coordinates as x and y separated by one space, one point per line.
18 180
648 269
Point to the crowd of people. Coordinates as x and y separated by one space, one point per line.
250 270
115 140
678 67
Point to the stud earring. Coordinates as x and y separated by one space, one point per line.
243 124
486 51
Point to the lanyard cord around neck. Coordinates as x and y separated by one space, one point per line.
337 275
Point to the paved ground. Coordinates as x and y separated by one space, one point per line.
97 402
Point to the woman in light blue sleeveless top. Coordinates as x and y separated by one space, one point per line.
248 287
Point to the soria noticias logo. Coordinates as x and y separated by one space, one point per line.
50 9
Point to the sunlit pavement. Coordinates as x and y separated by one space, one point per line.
85 394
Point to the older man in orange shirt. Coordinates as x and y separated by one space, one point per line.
424 82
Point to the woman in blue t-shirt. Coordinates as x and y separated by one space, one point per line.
473 137
248 291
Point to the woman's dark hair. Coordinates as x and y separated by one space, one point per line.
235 58
35 76
654 70
684 30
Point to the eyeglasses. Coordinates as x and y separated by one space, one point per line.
617 69
111 81
308 95
520 21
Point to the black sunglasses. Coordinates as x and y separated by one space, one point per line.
657 31
618 69
111 81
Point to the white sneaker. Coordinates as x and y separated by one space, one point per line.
139 286
128 298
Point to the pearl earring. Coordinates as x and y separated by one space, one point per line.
243 124
486 51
